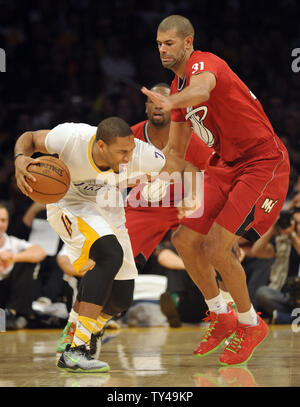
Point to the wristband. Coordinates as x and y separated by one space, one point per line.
292 235
16 156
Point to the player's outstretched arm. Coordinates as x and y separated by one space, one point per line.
27 144
180 134
196 93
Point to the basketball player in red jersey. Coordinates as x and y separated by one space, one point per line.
148 225
245 184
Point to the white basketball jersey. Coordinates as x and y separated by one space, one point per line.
73 142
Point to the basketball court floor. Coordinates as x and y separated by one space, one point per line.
150 357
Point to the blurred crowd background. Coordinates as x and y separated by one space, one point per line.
83 60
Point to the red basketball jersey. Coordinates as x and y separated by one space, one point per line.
232 121
197 152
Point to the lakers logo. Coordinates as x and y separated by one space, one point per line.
67 224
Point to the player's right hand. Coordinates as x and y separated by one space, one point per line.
158 99
21 173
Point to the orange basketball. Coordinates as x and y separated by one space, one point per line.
52 180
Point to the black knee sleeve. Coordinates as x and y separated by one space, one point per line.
107 249
121 297
79 292
97 283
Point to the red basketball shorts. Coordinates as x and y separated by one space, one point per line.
147 227
246 197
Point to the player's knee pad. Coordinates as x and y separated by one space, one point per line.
107 249
97 283
121 297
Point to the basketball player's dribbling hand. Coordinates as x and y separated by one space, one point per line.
21 164
158 99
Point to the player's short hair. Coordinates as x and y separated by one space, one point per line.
182 25
112 127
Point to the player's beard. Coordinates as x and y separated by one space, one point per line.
158 122
174 62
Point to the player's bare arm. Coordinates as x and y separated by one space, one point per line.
180 134
27 144
192 189
196 93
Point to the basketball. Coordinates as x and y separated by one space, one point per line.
52 180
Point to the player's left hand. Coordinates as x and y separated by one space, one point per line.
158 99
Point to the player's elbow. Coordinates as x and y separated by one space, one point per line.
204 94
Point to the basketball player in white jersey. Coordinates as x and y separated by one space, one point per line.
90 218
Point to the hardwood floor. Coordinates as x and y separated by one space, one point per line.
150 357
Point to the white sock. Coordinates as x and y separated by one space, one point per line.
73 316
226 295
249 317
217 304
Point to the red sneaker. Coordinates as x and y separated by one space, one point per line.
243 343
221 327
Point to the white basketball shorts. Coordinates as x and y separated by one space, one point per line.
80 224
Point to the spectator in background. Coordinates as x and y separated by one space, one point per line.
18 260
116 66
295 196
182 301
28 222
281 243
22 211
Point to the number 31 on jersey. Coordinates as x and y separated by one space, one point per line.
197 67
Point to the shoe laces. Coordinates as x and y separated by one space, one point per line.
83 350
213 318
237 340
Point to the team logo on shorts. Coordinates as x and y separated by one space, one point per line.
268 204
67 224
